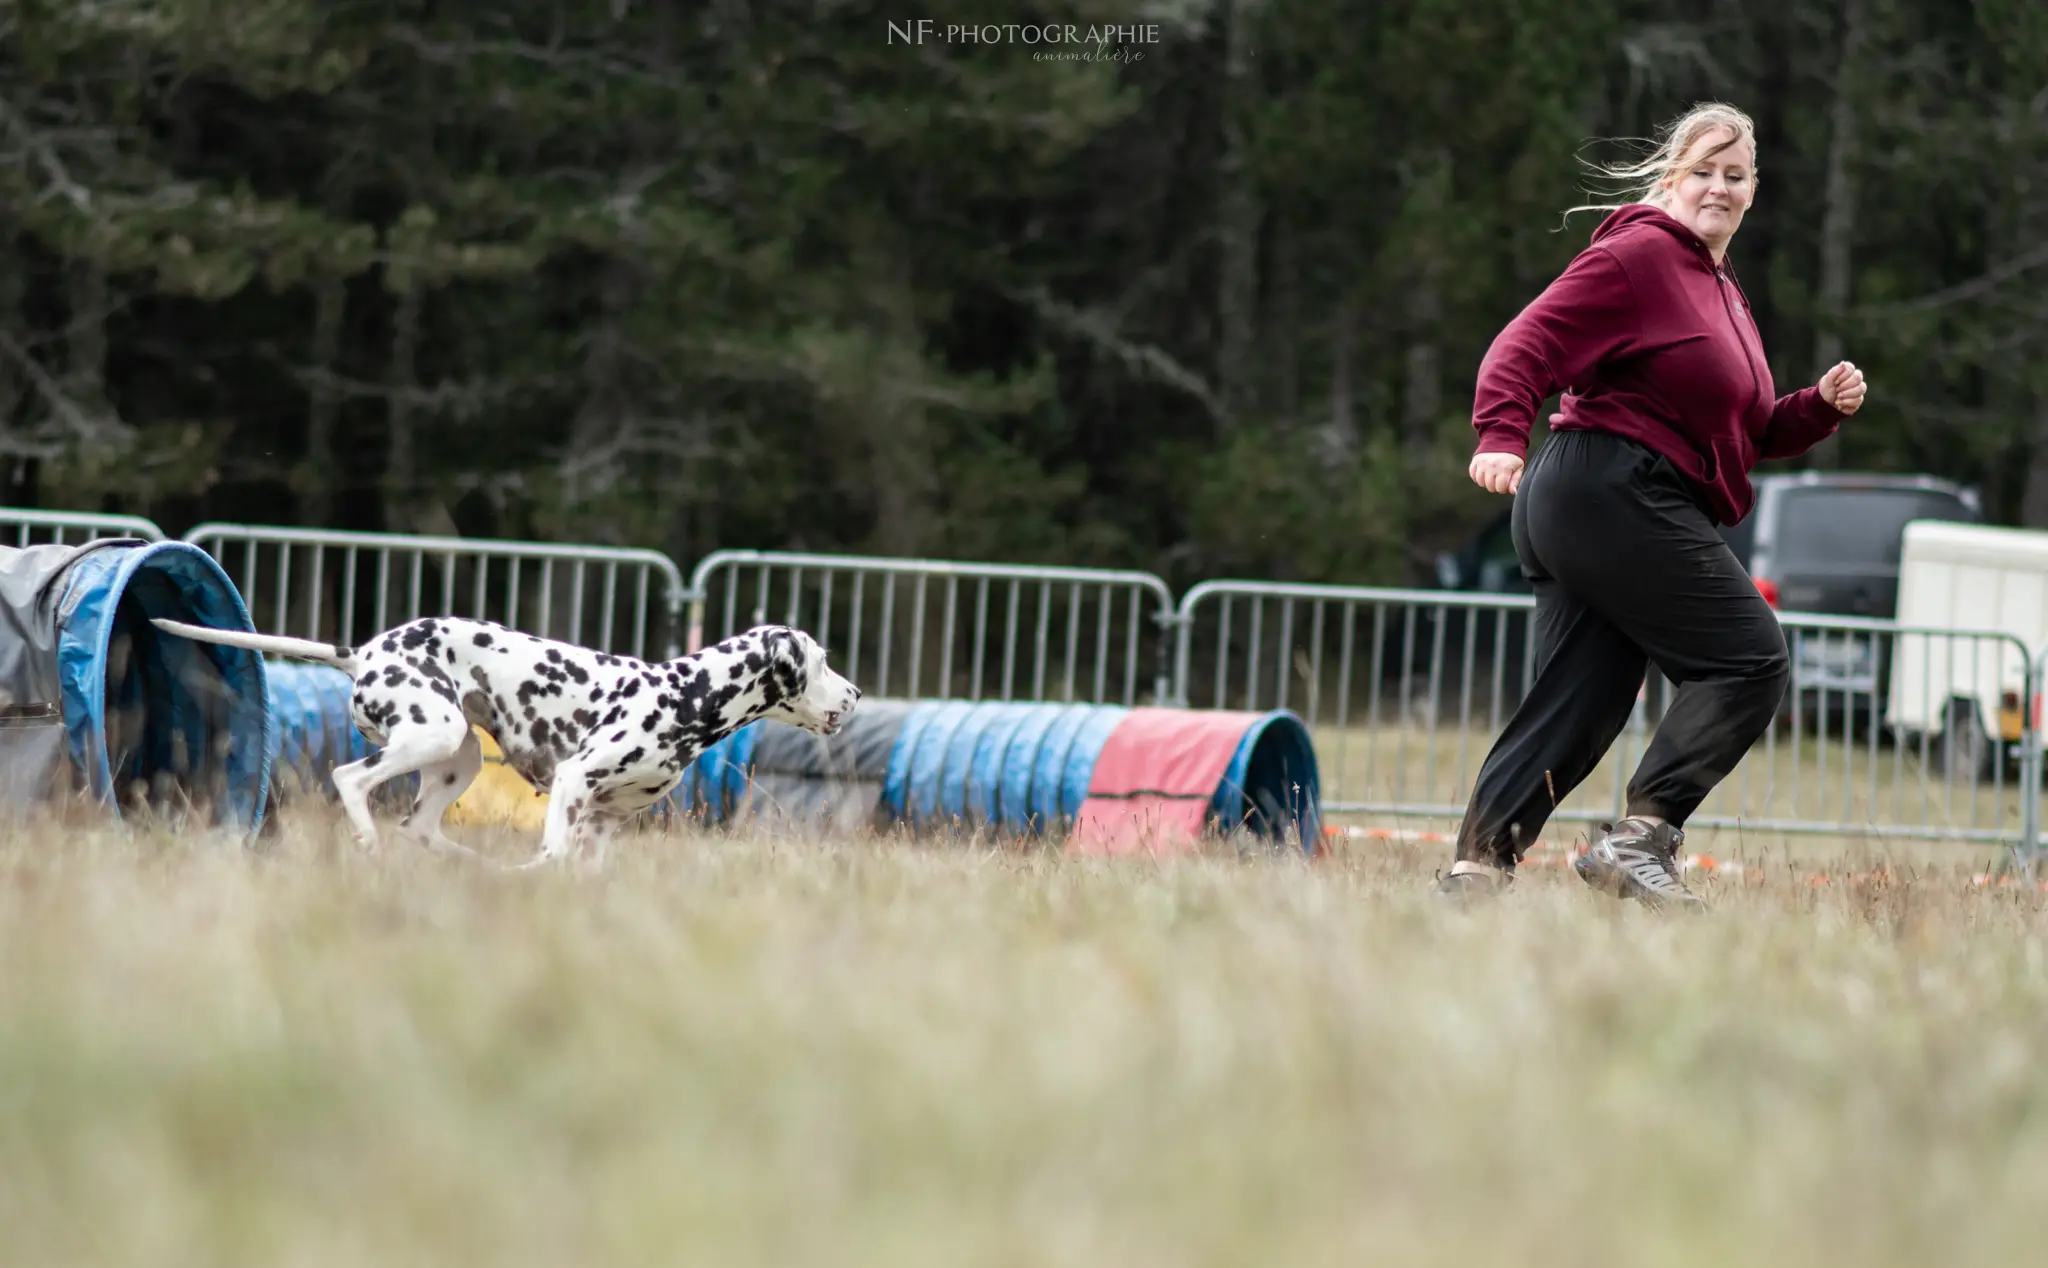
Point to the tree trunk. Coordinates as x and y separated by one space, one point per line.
1343 426
14 386
85 340
18 477
1838 220
1422 389
602 416
1285 338
1422 369
1238 215
401 465
322 466
2034 500
895 428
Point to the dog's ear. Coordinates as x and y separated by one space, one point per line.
788 669
794 651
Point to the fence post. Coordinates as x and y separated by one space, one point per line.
674 604
2030 766
1171 690
1183 623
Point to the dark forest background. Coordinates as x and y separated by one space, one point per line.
749 273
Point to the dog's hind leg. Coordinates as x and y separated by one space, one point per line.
441 786
411 745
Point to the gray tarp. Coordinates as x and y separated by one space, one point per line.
803 779
32 751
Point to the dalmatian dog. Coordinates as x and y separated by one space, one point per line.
607 736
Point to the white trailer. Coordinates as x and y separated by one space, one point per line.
1967 693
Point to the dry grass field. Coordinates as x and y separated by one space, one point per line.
750 1049
1873 789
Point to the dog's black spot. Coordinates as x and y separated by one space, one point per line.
482 639
419 715
577 673
449 778
539 733
373 758
394 676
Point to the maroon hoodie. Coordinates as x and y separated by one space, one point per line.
1647 338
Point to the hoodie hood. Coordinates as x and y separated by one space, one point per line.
1645 218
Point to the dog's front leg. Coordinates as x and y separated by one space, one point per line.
568 811
598 833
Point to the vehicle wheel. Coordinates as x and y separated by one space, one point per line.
1787 704
1964 753
1419 707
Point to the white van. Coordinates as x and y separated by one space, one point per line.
1966 693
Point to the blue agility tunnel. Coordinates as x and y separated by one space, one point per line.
313 731
144 717
1017 769
1024 769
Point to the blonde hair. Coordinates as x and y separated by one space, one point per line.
1643 180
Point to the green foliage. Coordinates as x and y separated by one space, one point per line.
770 275
1285 508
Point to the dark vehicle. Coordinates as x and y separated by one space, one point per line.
1827 544
1501 641
1819 543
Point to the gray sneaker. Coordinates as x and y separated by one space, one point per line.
1639 860
1465 888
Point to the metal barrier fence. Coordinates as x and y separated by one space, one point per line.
936 628
36 528
335 587
1886 731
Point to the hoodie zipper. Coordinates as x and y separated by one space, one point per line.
1756 383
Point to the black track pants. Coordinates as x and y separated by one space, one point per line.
1627 569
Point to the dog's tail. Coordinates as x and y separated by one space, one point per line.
334 654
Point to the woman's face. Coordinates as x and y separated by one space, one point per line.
1709 195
